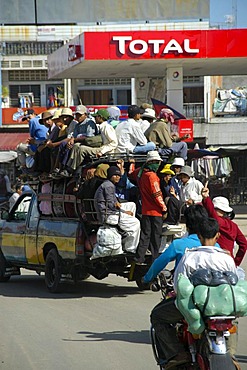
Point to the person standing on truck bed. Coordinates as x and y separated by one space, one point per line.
111 212
153 206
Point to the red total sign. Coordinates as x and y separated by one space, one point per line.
157 46
165 44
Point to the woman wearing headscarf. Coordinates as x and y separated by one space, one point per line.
159 133
153 206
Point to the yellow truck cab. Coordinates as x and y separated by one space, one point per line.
57 242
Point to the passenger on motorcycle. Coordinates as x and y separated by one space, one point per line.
194 215
165 315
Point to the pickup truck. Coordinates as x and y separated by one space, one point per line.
57 244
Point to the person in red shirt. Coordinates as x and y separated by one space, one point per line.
229 232
153 206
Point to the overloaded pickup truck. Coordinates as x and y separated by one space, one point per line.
58 244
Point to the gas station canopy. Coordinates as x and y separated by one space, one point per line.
148 53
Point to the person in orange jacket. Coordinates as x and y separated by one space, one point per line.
153 206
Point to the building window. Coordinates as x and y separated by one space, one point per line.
14 90
31 48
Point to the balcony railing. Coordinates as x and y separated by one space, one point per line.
193 110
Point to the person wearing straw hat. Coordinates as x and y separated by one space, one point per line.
62 135
43 157
80 152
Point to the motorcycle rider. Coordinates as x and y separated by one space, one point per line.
165 314
193 216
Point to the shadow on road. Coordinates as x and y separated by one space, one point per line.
141 337
33 286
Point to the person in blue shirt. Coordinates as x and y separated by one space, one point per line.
38 134
193 216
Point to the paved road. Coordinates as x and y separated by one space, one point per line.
96 325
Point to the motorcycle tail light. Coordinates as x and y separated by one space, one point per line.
220 324
233 329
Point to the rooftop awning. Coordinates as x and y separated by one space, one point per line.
10 140
7 156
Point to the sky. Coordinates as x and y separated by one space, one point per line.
219 9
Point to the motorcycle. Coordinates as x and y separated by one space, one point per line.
208 350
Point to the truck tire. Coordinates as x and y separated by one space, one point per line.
53 271
3 279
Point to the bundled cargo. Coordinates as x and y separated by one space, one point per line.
232 102
202 300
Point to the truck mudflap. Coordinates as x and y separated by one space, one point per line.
10 271
120 265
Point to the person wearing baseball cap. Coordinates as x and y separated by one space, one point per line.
147 117
229 231
176 166
85 126
38 134
28 114
130 135
190 192
111 212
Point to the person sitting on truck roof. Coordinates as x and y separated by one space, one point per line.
111 212
80 152
43 154
38 134
130 136
159 133
67 142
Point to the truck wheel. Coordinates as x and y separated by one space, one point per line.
141 285
3 269
79 275
52 271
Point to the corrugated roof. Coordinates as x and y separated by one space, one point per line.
10 140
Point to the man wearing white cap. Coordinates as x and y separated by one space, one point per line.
147 117
153 206
191 188
176 166
229 232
